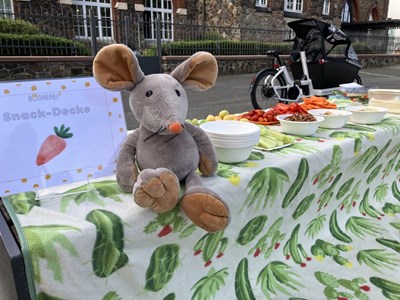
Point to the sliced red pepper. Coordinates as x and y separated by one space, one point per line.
282 108
301 110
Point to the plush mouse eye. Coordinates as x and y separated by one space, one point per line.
178 93
149 93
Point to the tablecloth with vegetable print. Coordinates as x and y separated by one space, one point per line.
317 220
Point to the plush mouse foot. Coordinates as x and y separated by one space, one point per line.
157 189
206 211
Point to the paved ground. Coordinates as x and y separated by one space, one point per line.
232 92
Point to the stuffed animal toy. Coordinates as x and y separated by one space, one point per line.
165 152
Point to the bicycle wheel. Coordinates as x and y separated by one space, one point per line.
262 94
358 80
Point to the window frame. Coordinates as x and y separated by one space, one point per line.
292 6
346 14
7 11
151 13
326 7
104 32
262 3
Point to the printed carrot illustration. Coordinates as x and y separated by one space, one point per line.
53 145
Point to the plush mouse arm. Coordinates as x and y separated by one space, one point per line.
208 163
127 170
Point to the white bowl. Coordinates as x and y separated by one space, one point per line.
234 143
230 129
229 143
232 140
367 114
233 155
299 128
333 118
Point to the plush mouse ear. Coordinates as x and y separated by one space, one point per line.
116 68
198 72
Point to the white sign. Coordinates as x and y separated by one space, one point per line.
54 132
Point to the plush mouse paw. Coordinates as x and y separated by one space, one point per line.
206 210
157 189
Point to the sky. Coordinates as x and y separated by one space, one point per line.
394 9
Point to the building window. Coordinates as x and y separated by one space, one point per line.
346 13
161 10
102 10
294 5
261 3
325 7
6 7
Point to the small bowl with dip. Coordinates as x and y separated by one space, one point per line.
333 118
367 114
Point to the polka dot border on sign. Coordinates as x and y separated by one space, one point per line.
49 179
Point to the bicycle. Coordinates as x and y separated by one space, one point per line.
270 86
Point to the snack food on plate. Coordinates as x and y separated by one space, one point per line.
296 117
315 102
268 116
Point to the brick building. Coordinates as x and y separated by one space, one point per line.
268 14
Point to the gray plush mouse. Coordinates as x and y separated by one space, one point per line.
165 152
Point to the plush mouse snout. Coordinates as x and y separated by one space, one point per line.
175 127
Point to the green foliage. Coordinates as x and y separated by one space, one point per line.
21 38
221 47
213 35
362 48
214 43
12 26
39 44
149 51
